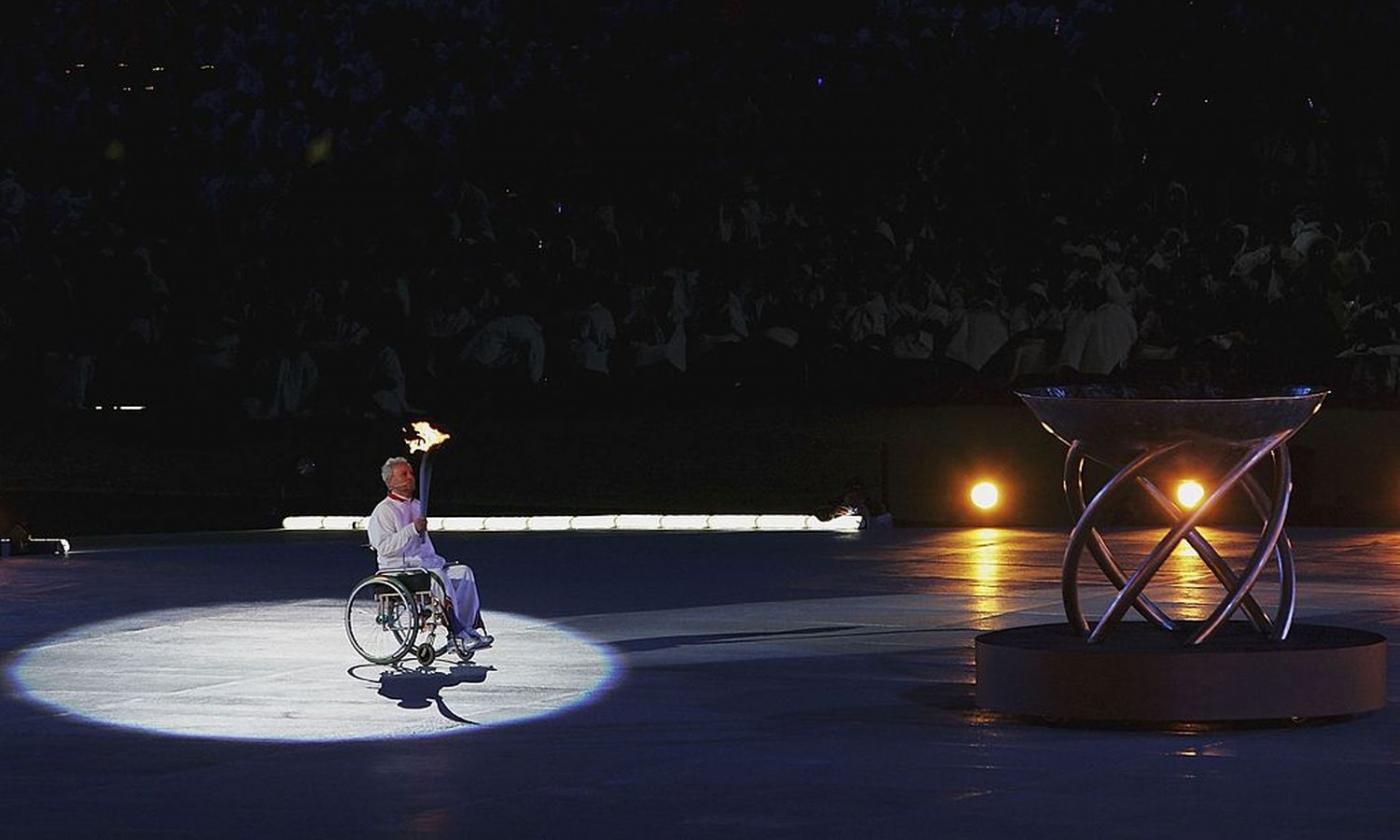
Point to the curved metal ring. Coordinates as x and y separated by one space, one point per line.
1209 555
1287 569
1069 569
1138 582
1074 494
1268 542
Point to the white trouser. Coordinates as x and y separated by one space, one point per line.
461 588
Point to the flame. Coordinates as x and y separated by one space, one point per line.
425 437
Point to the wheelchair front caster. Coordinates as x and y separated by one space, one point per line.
425 654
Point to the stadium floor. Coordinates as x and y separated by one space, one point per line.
695 684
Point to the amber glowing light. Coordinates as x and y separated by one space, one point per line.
984 495
1189 493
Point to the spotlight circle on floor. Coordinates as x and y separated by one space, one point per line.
284 671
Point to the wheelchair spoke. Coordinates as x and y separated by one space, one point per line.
381 620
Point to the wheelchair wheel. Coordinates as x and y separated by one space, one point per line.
464 652
436 616
432 621
425 654
443 647
380 620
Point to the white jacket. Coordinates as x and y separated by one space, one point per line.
393 536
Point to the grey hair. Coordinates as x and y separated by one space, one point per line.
388 468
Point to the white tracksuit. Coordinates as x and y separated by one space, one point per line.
400 547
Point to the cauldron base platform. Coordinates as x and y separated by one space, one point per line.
1141 674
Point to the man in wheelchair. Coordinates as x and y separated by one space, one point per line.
399 533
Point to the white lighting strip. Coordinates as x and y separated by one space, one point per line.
607 522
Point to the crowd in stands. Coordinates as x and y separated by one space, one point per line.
386 207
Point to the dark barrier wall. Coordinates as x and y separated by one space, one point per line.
128 472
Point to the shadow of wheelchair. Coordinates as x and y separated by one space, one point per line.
422 687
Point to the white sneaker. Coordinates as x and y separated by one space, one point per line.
483 639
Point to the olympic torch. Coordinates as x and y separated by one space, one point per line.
425 437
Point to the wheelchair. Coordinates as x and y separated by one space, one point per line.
393 614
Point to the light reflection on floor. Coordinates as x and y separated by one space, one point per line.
984 563
991 564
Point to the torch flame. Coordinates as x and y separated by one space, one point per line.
425 437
